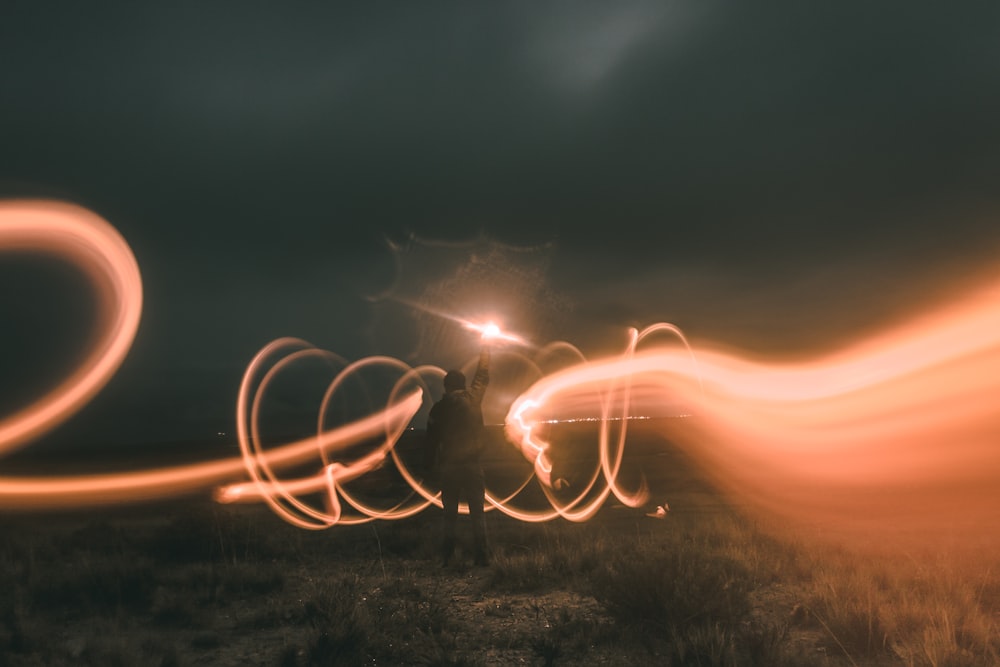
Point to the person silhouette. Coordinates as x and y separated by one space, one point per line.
454 442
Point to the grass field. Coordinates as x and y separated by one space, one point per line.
191 582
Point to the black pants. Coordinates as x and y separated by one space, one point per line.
463 482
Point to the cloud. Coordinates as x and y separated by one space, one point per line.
581 49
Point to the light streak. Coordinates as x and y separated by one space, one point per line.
901 430
81 238
283 497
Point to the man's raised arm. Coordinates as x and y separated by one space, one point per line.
482 377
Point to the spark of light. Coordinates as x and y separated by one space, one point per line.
488 331
491 332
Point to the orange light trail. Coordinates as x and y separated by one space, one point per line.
83 239
901 430
386 425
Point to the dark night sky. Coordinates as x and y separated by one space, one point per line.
778 180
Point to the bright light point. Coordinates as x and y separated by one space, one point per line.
660 512
229 494
491 332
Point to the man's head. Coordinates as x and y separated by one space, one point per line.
454 381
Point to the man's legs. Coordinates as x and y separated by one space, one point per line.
449 500
475 490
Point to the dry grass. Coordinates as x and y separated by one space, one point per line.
932 610
195 583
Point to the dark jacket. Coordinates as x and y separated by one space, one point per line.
455 425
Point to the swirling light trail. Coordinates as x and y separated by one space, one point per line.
82 238
902 429
283 497
89 490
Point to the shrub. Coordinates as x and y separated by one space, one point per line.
103 585
673 588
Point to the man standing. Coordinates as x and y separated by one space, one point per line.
455 440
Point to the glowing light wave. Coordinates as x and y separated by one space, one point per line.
283 496
82 238
79 237
900 430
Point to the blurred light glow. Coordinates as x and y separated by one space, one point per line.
491 332
82 238
897 432
901 430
